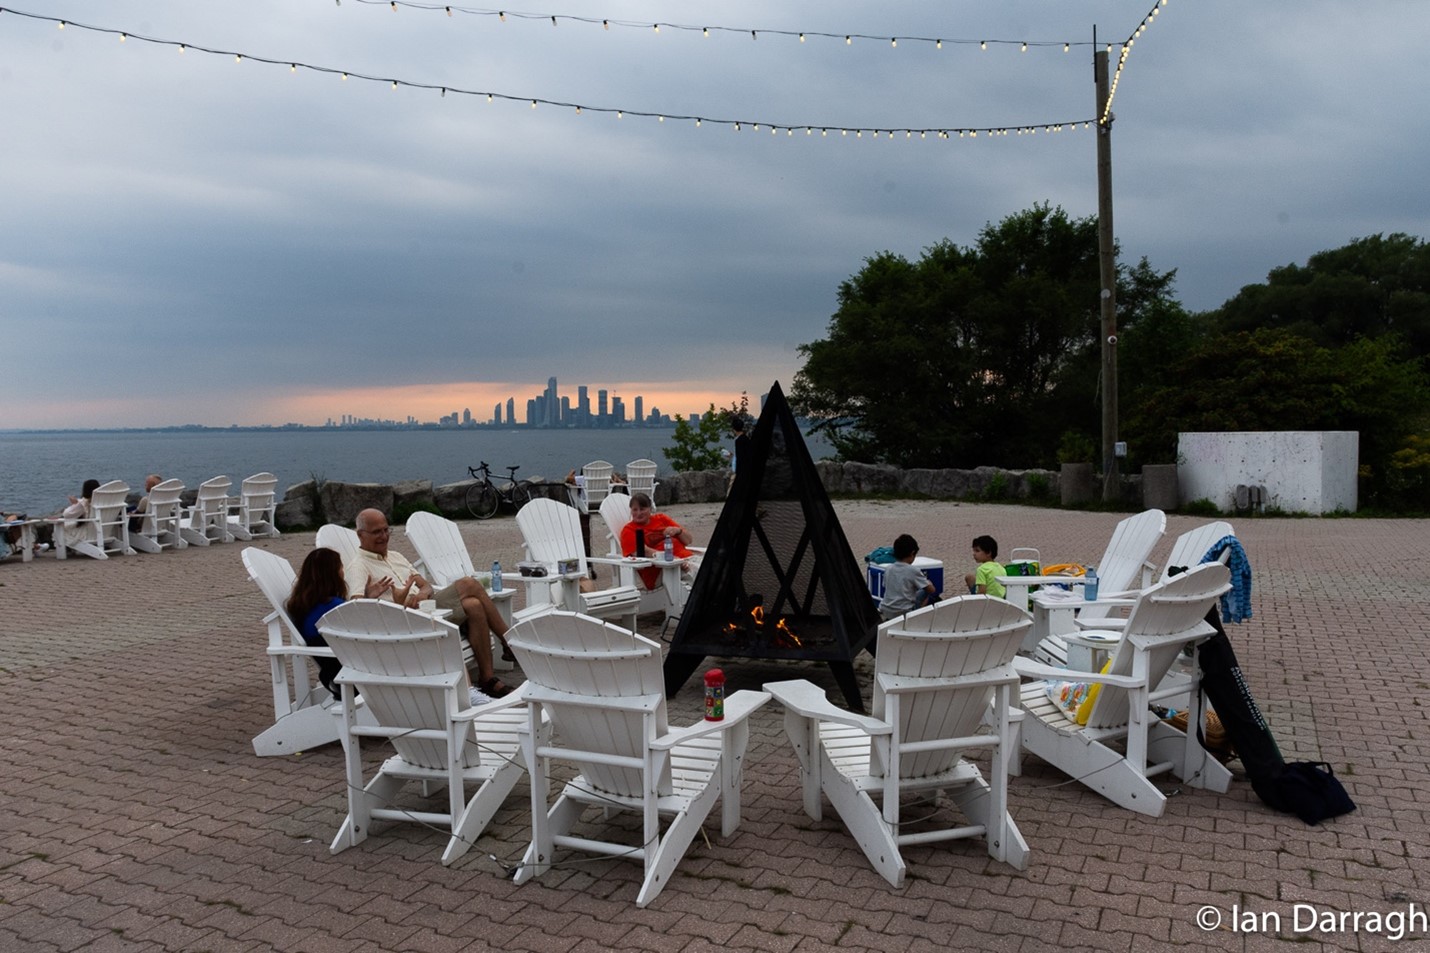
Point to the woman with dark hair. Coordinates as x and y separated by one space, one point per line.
319 588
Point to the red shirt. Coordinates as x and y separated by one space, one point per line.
654 529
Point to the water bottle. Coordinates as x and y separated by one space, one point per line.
669 549
496 576
1089 587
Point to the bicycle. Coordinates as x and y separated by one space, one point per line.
484 497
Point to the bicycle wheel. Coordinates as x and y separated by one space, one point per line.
520 495
482 500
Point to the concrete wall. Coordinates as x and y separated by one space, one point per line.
1302 471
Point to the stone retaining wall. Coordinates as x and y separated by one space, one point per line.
313 503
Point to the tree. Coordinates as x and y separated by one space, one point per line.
1372 286
957 359
1273 379
697 447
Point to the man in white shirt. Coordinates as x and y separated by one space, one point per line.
398 582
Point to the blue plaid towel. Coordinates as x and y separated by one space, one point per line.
1236 602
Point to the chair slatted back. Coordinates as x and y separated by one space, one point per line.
439 545
256 496
1127 551
612 692
209 514
163 514
340 539
596 476
107 525
1164 619
966 636
408 667
616 511
640 478
551 532
275 578
1192 545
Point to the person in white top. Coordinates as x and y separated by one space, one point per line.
398 582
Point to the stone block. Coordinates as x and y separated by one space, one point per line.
1077 484
1159 487
342 502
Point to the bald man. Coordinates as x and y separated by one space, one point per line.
396 581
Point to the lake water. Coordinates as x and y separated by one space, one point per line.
38 471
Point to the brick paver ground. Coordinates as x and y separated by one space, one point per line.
135 817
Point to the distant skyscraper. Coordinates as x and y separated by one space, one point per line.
511 411
639 417
531 412
496 414
583 407
618 411
552 416
601 417
466 416
566 416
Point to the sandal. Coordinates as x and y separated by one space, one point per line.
496 688
507 655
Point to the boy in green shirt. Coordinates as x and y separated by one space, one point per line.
985 578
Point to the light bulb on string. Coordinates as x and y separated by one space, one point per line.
1025 47
238 57
123 37
938 44
983 44
801 37
61 25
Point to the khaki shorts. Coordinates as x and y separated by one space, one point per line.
448 599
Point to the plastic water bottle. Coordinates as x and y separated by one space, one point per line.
496 576
1089 586
669 549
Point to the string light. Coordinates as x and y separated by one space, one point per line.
1106 116
607 22
737 125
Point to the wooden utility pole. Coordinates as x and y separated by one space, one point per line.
1107 271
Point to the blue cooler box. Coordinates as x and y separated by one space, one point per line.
933 568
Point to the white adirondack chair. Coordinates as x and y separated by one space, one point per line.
444 559
409 669
1166 618
208 517
669 597
1124 569
595 485
105 531
1187 551
551 532
162 523
604 690
937 670
255 507
640 478
304 712
341 539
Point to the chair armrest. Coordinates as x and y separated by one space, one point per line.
491 707
311 651
738 707
1030 669
808 700
1039 580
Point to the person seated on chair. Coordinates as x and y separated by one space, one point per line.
77 510
905 588
984 580
645 535
398 582
136 515
320 587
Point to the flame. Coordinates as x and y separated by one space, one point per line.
783 634
758 614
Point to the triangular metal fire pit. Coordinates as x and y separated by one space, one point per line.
778 579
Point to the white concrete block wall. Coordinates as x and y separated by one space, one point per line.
1302 471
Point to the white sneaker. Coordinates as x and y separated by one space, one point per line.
477 697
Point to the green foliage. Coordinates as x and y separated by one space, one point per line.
1200 507
1039 487
697 447
1075 446
401 511
997 488
1407 479
1276 380
1370 287
967 356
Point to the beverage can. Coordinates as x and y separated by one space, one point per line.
715 695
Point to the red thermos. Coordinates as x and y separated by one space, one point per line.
715 695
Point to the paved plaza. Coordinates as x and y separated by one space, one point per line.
134 815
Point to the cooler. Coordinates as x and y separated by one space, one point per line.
933 568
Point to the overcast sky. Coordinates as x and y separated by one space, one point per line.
187 238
